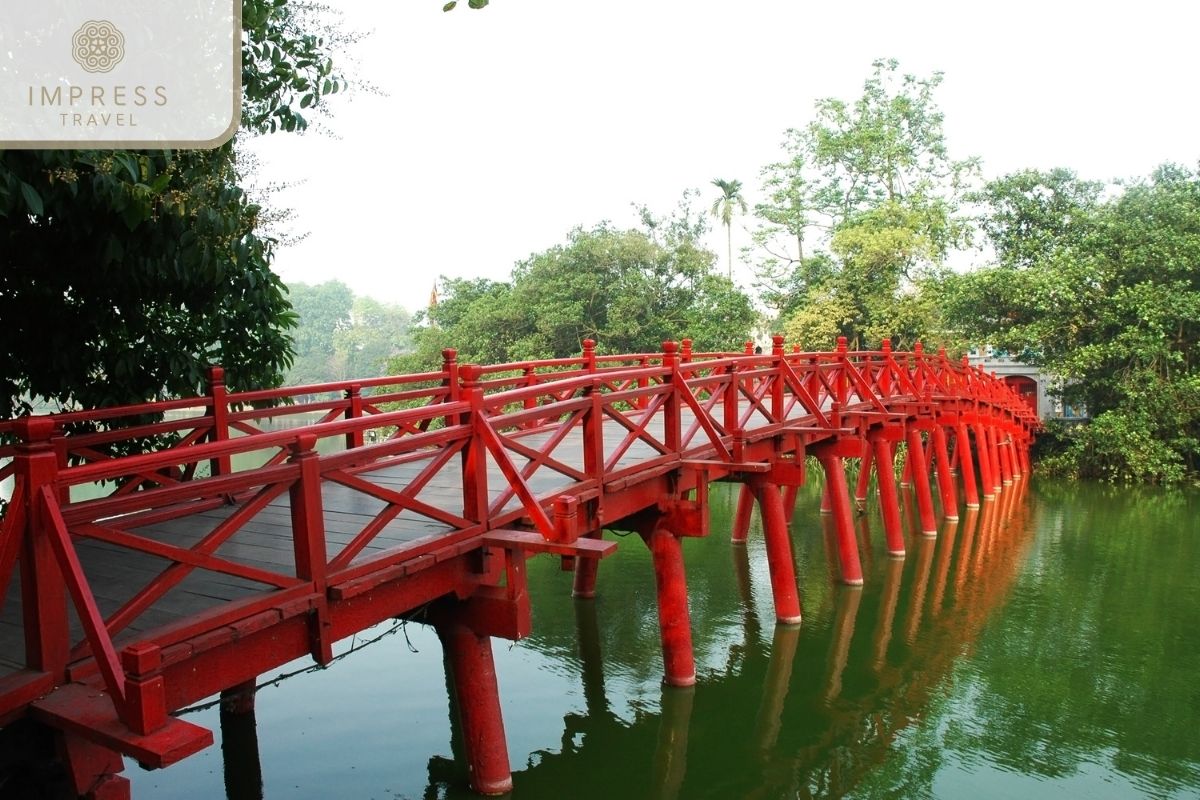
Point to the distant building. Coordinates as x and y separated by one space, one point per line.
1030 382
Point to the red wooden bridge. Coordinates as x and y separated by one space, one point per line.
236 543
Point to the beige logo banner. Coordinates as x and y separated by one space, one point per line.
119 74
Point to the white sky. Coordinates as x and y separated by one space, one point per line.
502 129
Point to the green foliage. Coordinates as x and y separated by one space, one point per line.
129 275
630 290
1106 294
339 336
286 66
874 179
124 274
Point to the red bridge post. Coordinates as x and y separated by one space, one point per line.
920 478
674 622
741 519
889 503
43 590
779 553
946 487
863 485
218 409
666 550
962 447
93 769
839 498
1006 466
993 449
473 676
354 410
474 456
984 460
584 582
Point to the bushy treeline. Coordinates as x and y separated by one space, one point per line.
629 290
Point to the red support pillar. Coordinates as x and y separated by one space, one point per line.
962 448
984 457
993 449
1018 468
584 584
826 502
839 499
920 476
779 554
790 493
946 488
889 503
473 675
1004 450
864 478
741 520
674 624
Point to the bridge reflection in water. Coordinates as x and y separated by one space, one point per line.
779 710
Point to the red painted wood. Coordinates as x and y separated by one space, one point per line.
599 439
674 622
473 675
779 554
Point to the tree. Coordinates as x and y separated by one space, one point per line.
628 289
124 274
723 208
340 336
377 332
873 177
322 311
1104 293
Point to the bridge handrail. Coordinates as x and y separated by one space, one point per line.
225 415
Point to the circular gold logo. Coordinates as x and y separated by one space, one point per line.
98 46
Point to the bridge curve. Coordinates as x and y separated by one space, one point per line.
230 549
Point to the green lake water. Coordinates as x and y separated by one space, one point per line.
1044 647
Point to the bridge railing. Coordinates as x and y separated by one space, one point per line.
542 425
841 377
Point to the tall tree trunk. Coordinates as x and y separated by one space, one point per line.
729 248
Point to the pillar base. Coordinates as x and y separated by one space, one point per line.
493 788
680 681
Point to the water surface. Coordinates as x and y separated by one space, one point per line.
1044 647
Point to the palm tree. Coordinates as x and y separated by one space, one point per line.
722 208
